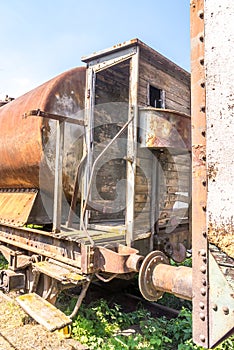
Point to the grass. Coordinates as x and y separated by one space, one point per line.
100 327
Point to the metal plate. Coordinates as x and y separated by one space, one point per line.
16 205
161 128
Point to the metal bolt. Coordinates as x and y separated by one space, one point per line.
203 291
204 282
202 316
215 307
202 61
201 38
202 252
202 305
203 109
203 133
204 234
203 84
203 269
225 310
202 338
201 14
204 183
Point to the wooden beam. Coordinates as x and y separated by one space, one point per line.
132 147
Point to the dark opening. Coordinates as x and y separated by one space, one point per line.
155 97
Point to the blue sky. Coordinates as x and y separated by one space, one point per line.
42 38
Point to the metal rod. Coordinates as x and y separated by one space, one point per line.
58 185
91 176
75 192
61 118
80 299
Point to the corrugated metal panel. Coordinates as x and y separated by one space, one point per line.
16 205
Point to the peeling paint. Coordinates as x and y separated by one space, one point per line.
222 235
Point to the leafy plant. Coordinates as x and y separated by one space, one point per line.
3 262
100 327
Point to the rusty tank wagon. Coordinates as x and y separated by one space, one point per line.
95 180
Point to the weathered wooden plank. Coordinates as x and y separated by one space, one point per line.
148 70
168 67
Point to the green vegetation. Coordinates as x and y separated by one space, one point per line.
3 262
100 327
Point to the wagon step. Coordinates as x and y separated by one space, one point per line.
63 273
43 312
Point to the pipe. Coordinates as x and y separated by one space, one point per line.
174 280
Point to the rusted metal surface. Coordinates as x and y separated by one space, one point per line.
156 277
161 128
145 279
175 280
61 118
119 259
16 205
42 243
222 236
26 144
199 190
69 248
177 251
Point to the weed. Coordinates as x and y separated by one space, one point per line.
100 327
3 262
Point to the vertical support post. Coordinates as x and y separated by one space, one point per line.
58 176
154 201
199 182
88 141
132 146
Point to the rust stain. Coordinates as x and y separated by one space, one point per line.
212 171
15 206
222 236
23 140
199 155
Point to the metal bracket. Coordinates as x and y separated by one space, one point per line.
221 304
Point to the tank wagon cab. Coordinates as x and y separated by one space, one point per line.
95 180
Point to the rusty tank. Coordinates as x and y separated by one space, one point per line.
27 143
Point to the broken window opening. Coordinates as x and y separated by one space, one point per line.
156 97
